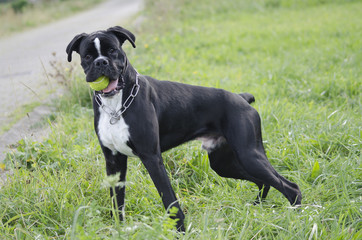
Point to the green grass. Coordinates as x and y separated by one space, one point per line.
301 59
39 13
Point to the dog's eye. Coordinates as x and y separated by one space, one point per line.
111 50
88 57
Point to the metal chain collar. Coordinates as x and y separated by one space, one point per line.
114 114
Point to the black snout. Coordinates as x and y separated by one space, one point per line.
102 62
101 66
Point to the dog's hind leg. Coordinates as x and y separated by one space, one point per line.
224 162
245 141
248 148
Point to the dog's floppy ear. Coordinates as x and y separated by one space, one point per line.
123 35
74 45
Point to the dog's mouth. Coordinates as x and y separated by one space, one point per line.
112 89
113 84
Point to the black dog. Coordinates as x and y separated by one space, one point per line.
137 115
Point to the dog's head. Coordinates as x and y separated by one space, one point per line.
101 54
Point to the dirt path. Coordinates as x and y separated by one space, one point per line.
23 58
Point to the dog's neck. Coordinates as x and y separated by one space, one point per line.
117 104
129 75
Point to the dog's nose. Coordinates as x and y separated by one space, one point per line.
101 62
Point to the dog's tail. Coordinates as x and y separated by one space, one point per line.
248 97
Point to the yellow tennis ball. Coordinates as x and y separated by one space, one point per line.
99 84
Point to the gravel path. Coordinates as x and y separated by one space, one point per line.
24 58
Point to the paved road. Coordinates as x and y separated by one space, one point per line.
22 78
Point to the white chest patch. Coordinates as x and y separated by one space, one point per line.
114 136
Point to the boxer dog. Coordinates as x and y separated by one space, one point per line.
139 116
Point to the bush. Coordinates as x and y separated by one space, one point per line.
19 5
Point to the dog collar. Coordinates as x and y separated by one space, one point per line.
115 115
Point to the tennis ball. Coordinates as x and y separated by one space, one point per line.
99 84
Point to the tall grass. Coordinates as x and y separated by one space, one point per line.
302 61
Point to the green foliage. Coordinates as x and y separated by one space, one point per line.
19 5
301 60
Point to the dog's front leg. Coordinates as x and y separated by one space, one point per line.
116 164
157 171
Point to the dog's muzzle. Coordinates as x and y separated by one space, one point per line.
120 85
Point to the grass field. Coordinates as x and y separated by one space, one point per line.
38 13
302 60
